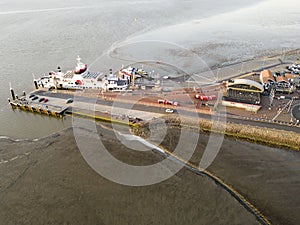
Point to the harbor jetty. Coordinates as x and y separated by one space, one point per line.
266 97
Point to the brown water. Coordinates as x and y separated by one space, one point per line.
36 37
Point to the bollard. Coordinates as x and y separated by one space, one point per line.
12 94
36 85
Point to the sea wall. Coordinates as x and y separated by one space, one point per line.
260 135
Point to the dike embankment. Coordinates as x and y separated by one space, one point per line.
261 135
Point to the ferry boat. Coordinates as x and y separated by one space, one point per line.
82 78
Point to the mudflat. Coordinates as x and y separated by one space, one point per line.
47 181
268 177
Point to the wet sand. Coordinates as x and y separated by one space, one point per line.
268 177
48 182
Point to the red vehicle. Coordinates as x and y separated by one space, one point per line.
206 98
212 97
162 101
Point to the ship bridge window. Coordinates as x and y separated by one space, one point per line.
121 82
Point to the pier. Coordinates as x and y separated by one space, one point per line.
102 109
48 110
140 104
56 106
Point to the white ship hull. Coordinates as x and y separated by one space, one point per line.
80 78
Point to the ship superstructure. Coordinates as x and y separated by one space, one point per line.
82 78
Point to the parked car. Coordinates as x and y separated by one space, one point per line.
31 96
35 98
161 101
46 100
41 99
69 100
169 111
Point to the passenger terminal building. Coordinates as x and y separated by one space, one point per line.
280 82
243 93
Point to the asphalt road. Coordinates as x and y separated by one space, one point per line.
162 110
